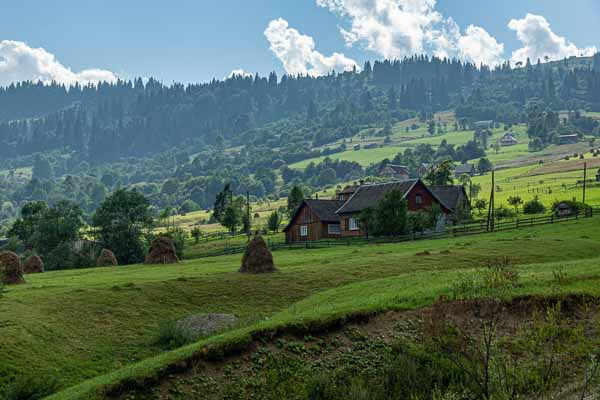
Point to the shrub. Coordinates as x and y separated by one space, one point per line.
534 206
171 336
31 388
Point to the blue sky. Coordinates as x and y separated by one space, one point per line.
193 41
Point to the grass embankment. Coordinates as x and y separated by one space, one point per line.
76 325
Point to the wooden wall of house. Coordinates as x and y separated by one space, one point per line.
346 232
426 197
317 230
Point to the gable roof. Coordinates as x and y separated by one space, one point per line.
399 169
464 169
348 190
368 196
323 209
450 195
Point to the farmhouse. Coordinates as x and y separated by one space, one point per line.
484 125
346 193
568 139
508 140
417 194
465 169
314 220
371 146
454 197
396 172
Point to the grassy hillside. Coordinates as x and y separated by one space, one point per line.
95 321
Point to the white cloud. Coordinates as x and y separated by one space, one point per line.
239 72
479 46
297 52
539 41
398 28
20 62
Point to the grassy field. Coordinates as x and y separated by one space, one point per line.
100 320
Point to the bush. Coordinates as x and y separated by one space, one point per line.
504 213
171 336
31 388
534 206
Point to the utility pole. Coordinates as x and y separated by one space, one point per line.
248 228
491 212
584 179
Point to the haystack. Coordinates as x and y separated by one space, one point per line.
162 251
11 270
106 259
33 265
257 258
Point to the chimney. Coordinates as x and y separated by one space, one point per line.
317 196
361 182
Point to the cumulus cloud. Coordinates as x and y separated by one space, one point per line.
239 72
297 52
398 28
540 41
20 62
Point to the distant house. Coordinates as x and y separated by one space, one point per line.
484 125
568 139
598 176
465 169
416 193
508 140
371 146
563 209
346 193
454 197
424 169
396 172
356 147
314 220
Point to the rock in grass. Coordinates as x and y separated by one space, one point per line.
11 270
33 265
162 251
199 325
106 259
257 258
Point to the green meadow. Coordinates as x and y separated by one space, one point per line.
94 328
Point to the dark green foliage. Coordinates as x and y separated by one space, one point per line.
274 221
196 234
391 215
534 206
27 387
441 175
231 218
222 202
295 198
52 233
121 223
484 165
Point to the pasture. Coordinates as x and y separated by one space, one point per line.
82 324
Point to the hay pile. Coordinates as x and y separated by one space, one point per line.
257 258
106 259
11 270
162 251
33 265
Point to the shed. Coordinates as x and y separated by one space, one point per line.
465 169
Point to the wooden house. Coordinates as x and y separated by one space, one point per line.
508 140
314 220
346 193
568 139
396 172
465 169
416 193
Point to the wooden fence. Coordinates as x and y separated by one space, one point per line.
454 231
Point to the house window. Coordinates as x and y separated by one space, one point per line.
353 224
333 229
304 230
418 199
341 197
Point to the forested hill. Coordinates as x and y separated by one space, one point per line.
246 130
127 118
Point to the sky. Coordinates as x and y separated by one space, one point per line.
196 40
